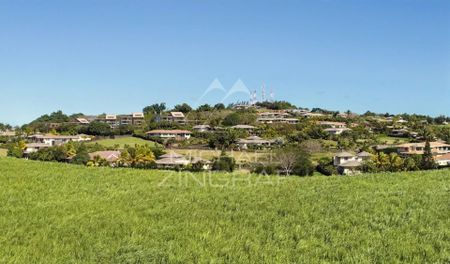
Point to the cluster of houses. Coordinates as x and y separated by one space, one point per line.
38 141
169 160
348 163
135 119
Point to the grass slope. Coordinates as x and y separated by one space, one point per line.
122 141
58 213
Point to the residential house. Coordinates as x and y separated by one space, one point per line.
173 160
176 134
202 128
336 131
81 121
437 148
133 119
253 141
110 156
34 147
443 160
56 140
348 163
276 117
175 117
244 127
403 132
330 124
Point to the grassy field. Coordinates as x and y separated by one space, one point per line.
3 152
392 140
122 141
59 213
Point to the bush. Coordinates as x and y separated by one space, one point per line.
224 163
265 169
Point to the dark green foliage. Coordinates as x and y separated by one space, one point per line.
326 167
303 165
265 169
154 108
224 163
223 139
184 107
239 118
428 162
57 153
55 117
204 108
276 105
99 129
82 157
219 106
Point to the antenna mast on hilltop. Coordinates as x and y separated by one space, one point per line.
271 95
263 93
253 97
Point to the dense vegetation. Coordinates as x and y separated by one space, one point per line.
60 213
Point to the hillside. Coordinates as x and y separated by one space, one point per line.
58 213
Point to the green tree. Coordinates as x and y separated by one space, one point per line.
184 107
428 162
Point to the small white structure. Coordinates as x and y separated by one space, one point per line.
253 141
336 131
34 147
444 160
202 128
172 160
244 127
177 134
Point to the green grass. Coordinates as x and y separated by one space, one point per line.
122 141
392 140
3 152
59 213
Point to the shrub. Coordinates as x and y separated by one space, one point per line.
224 163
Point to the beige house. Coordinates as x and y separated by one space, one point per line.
110 156
276 117
437 148
175 117
331 124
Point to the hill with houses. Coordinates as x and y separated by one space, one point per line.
266 137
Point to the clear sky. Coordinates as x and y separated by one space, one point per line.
106 56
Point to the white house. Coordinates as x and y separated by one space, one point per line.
348 163
336 131
56 140
177 134
202 128
34 147
443 160
253 141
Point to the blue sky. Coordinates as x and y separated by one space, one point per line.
118 56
